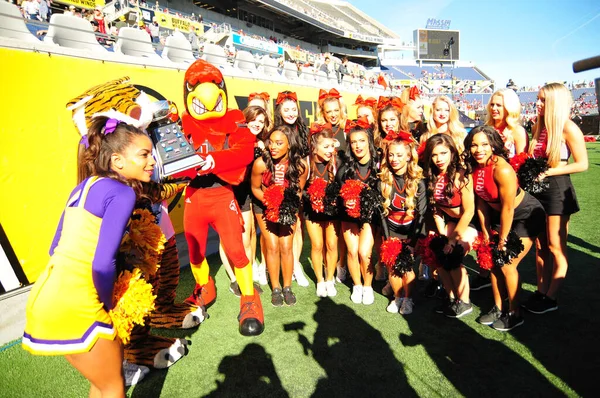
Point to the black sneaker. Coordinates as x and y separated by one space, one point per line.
459 309
508 322
288 296
490 317
541 305
480 282
235 289
277 297
533 298
446 303
433 288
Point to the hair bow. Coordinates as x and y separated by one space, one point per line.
371 102
264 96
287 95
399 136
333 93
317 127
414 93
110 126
84 141
362 122
393 101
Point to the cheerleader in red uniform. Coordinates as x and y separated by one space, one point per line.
287 113
389 110
281 165
412 113
368 108
503 114
451 196
322 226
404 206
444 119
360 164
332 110
501 204
557 138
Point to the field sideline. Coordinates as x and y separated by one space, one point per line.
332 347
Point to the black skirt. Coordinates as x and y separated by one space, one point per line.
560 198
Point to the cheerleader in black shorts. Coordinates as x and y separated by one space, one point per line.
404 205
555 137
257 120
287 113
502 204
323 229
450 193
361 164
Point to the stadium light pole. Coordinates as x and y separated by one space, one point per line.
448 51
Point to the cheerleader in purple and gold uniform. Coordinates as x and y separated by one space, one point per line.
404 206
67 310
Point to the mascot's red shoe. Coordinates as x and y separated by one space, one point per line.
252 319
203 296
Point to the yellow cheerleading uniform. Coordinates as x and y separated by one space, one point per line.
64 312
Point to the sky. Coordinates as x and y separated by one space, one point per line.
529 41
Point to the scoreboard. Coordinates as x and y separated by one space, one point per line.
430 45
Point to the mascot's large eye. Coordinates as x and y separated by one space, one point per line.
189 87
221 84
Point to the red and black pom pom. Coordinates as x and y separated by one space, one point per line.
528 171
427 255
484 253
490 256
360 201
281 205
450 261
396 256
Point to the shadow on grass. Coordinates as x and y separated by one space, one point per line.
355 356
249 374
565 341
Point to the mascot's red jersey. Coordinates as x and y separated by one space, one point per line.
218 134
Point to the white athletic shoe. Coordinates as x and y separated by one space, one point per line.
331 290
368 297
299 275
395 305
380 272
262 274
134 373
407 306
357 294
341 274
321 289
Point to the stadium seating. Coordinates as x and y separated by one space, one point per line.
178 49
215 54
321 77
290 71
270 66
12 24
135 42
72 32
244 60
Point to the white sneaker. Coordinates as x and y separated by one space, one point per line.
262 274
134 373
407 306
321 289
299 275
395 305
387 290
368 297
357 293
340 274
331 290
380 272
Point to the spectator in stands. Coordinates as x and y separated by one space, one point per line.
325 66
99 18
31 9
342 70
71 11
157 6
444 119
503 113
117 5
45 11
556 138
512 85
155 31
193 39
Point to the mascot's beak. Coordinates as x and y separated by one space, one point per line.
206 101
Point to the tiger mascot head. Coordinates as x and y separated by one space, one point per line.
117 99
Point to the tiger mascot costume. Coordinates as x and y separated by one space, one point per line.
121 100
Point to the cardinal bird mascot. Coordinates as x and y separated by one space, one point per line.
221 138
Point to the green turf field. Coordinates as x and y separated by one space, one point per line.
332 347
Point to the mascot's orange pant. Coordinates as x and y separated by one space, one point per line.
215 207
